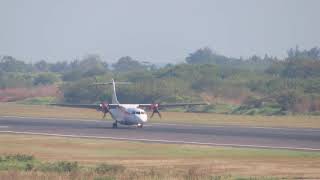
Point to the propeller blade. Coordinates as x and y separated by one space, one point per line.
152 114
159 114
155 109
104 109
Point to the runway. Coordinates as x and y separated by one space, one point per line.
235 136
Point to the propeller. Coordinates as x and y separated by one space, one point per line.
155 109
104 108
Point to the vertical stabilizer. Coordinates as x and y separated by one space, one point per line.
114 94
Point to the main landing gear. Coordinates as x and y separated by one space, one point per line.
115 125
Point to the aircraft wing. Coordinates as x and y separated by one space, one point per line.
87 106
171 105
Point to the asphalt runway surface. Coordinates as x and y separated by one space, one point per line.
235 136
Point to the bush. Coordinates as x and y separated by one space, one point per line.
107 168
29 167
253 102
104 178
17 162
38 100
13 80
19 157
287 100
61 166
45 78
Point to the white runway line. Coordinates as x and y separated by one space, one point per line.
4 126
164 141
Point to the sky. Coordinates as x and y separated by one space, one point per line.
156 31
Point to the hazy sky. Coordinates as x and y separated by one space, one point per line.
149 30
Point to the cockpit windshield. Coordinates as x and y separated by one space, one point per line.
137 112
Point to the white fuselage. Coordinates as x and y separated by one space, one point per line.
129 114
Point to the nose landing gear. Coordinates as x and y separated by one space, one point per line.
140 125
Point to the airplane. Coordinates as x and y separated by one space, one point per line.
127 114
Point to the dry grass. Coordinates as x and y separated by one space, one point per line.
11 109
169 160
149 174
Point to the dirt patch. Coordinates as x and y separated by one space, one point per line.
16 94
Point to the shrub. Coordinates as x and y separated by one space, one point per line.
29 167
107 168
104 178
45 78
19 157
17 162
61 166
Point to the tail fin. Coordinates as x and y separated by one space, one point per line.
114 94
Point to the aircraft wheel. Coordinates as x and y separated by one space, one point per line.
140 125
115 125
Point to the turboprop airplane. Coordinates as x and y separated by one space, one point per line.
127 114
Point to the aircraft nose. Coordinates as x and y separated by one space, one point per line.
142 118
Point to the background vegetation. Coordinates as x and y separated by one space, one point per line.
268 85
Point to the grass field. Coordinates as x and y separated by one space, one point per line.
169 161
303 121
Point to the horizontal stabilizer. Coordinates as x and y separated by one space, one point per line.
173 105
89 106
110 83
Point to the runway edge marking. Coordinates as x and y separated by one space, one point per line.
161 141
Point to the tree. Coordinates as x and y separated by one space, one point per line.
276 68
255 59
10 64
206 56
42 66
45 78
89 66
59 67
301 69
287 100
127 64
297 54
314 53
81 92
92 65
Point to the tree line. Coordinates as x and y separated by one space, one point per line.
254 85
